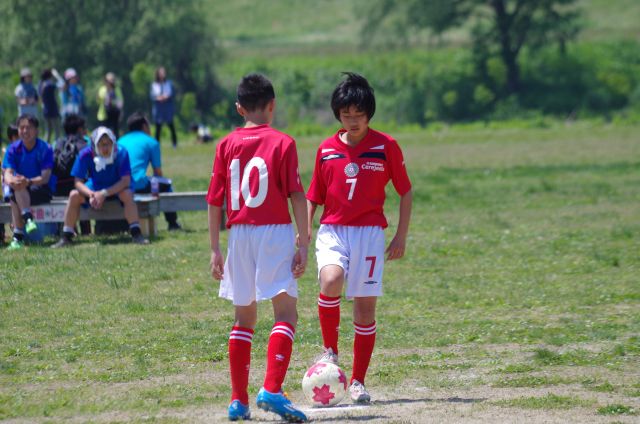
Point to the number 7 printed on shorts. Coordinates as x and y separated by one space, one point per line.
371 259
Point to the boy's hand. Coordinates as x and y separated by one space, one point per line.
299 262
217 264
396 248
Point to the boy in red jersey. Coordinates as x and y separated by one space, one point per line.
256 170
351 171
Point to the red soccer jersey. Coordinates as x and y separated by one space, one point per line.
350 181
255 169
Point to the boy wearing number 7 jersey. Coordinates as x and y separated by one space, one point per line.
256 170
351 171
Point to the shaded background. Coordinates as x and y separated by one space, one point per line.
429 61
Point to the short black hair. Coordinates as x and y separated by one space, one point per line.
12 131
136 121
353 91
29 117
255 91
72 123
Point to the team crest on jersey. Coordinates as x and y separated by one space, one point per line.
351 170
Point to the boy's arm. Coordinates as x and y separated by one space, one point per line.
217 259
397 245
299 206
311 211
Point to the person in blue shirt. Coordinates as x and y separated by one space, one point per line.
143 151
72 95
26 169
162 104
48 89
102 172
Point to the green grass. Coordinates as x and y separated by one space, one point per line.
521 274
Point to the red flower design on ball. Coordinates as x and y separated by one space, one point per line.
323 394
316 369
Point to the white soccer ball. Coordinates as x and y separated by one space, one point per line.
324 384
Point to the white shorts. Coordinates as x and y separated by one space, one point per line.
359 251
258 265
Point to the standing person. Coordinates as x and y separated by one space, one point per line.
27 168
110 104
143 151
163 109
50 111
72 95
102 173
26 94
255 170
351 171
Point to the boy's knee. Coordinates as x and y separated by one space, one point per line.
125 196
75 198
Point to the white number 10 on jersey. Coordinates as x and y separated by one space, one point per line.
242 185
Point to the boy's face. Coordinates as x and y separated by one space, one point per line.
355 121
104 146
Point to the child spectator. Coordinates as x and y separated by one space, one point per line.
26 94
255 170
102 172
72 95
27 169
351 171
50 110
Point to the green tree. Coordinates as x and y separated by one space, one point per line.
95 37
499 27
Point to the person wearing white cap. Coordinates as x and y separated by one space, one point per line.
102 172
26 94
72 95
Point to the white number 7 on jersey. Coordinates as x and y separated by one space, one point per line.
353 182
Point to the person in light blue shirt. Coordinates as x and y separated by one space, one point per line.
143 151
26 94
102 172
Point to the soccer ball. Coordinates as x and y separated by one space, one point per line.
324 384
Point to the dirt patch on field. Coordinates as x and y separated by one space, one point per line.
415 405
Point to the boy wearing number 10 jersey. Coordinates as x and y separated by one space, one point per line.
256 171
351 171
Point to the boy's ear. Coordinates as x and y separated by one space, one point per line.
241 110
271 105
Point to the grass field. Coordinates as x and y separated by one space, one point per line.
518 300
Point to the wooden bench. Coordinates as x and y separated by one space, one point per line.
149 207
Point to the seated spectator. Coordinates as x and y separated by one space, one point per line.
27 168
65 152
12 135
203 132
102 172
143 151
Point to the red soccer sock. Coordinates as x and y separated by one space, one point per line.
363 342
278 355
239 362
329 314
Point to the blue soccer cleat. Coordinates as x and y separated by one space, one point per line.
279 404
238 411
